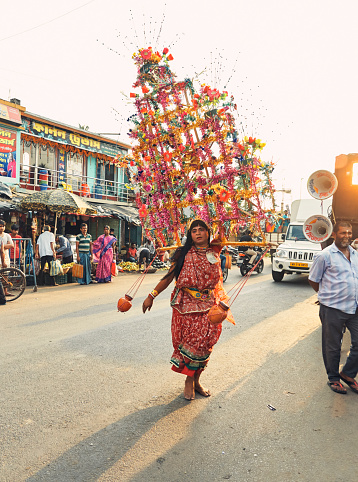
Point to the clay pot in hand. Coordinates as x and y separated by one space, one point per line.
218 313
124 304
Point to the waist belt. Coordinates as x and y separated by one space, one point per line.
198 295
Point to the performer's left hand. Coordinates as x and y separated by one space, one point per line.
147 304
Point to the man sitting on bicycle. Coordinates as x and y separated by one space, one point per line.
3 265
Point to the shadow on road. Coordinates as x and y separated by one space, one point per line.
90 458
233 435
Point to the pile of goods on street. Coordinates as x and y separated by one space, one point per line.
128 266
160 265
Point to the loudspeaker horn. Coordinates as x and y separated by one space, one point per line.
322 184
317 228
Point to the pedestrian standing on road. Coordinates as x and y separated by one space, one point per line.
103 251
15 252
3 265
196 268
45 251
84 254
334 275
7 241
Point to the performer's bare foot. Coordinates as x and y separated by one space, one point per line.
199 388
189 392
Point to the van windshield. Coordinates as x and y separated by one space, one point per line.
295 233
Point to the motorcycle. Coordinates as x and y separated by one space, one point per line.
232 252
243 261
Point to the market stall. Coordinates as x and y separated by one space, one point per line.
57 202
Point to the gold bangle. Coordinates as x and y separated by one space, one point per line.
154 293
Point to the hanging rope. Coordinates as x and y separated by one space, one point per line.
135 286
240 284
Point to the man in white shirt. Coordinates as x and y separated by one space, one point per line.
45 250
7 242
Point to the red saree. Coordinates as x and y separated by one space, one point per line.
193 335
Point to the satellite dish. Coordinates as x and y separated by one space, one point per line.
322 184
317 228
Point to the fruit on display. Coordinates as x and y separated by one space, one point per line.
128 266
66 267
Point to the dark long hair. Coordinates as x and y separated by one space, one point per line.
179 255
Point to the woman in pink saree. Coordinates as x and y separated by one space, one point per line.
103 254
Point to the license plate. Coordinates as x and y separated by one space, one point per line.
298 265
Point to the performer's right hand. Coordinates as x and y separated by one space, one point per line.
147 304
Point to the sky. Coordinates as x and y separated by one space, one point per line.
291 66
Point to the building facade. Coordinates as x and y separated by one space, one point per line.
37 153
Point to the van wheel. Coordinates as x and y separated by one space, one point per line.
277 275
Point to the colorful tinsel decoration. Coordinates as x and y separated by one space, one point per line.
188 161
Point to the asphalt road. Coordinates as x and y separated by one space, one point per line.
87 393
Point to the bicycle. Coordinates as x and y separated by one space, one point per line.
13 281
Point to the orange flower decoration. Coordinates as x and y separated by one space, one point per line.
146 54
224 195
143 211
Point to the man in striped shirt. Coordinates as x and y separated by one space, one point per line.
84 254
334 275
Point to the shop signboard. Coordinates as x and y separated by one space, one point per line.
7 153
62 166
64 136
11 114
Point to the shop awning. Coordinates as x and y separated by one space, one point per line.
126 213
6 206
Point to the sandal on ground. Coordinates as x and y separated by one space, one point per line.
352 385
337 387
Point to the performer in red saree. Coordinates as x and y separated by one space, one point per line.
103 253
197 271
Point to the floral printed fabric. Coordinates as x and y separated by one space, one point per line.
193 335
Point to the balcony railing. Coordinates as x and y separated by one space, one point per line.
89 187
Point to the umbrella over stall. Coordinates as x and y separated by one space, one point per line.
57 201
